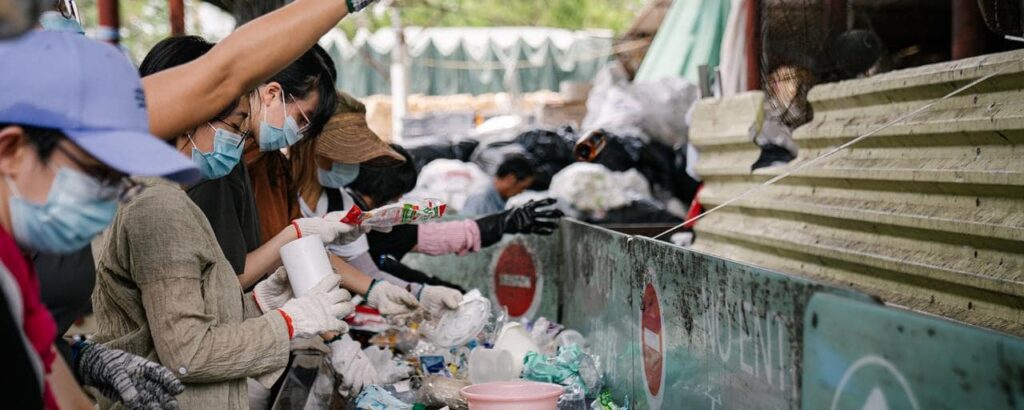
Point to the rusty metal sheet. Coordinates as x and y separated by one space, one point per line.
597 300
860 355
526 267
727 335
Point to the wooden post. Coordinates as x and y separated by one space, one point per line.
753 49
109 21
835 17
176 10
968 29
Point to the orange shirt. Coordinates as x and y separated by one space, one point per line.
276 200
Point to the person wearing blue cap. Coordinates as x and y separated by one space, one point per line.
73 127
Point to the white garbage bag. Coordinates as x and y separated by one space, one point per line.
596 189
451 181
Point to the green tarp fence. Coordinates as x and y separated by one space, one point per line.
447 61
690 36
676 329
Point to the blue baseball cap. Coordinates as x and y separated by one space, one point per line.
89 91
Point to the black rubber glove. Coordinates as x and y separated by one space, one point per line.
389 264
521 219
138 383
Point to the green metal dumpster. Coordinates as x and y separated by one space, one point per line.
678 329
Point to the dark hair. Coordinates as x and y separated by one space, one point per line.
43 139
517 165
313 71
386 184
174 51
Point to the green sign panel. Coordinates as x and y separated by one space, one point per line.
860 355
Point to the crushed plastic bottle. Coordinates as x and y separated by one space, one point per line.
572 399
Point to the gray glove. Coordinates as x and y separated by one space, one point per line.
138 383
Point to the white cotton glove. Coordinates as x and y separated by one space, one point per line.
321 310
349 361
436 299
274 291
390 299
330 228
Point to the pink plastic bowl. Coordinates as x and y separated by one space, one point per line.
513 395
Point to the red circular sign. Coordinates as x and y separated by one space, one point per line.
651 340
515 279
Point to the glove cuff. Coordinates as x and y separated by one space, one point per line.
370 289
288 322
77 350
491 229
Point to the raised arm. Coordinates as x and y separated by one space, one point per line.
183 97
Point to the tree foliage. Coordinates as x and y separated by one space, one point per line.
570 14
146 22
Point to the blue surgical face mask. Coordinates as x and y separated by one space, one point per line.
76 210
52 20
227 152
340 175
273 138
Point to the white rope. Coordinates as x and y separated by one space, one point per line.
803 165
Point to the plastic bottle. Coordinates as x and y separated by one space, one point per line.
572 399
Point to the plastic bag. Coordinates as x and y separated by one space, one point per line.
605 402
595 188
654 110
570 367
374 397
451 181
437 391
388 368
401 213
543 333
457 327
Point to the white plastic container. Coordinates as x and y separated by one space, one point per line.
307 264
491 365
513 337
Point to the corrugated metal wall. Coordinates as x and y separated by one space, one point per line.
927 214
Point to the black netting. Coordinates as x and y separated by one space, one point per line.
1003 16
800 49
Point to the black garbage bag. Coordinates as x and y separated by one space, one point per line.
491 156
663 166
551 151
463 149
426 153
640 211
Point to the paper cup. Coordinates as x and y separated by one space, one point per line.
307 264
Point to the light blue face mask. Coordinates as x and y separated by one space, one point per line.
339 176
76 210
227 152
52 20
273 138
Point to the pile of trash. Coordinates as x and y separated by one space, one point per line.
643 148
425 362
